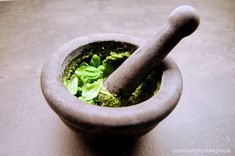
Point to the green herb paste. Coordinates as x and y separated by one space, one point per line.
85 76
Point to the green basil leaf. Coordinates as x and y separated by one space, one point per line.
88 101
108 69
95 60
101 68
90 91
89 72
80 82
84 80
72 85
79 89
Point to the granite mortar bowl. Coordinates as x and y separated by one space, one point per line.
96 123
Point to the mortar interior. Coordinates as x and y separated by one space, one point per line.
103 49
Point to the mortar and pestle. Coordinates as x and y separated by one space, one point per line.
95 123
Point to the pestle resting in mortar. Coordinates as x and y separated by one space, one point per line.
182 22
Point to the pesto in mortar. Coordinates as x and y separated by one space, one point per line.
84 77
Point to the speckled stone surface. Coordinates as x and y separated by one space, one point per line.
203 118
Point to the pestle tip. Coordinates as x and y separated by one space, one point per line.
184 19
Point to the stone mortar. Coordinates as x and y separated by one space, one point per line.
95 123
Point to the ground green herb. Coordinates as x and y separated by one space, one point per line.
85 79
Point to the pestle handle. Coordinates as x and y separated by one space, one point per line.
182 22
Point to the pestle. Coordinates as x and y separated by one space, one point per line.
182 22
